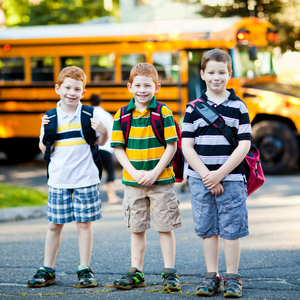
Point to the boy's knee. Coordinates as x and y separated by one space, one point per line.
55 227
84 225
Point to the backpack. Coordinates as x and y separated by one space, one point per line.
88 133
156 120
251 165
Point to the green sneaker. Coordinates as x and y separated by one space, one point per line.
170 279
42 278
132 279
232 286
210 286
86 278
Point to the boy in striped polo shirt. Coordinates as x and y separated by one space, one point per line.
216 181
148 178
73 179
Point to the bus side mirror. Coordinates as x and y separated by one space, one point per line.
252 53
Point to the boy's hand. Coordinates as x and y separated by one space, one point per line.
137 175
148 179
45 120
212 179
97 125
218 190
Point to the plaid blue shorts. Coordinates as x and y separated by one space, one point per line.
225 215
79 204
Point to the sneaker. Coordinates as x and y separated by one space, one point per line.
232 286
211 285
42 278
86 278
170 279
132 279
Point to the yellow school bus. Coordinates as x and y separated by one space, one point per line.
32 57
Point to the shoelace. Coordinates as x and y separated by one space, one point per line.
85 273
232 283
170 276
41 274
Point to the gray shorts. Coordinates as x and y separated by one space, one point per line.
224 215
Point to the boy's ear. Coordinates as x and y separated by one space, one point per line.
157 88
201 74
230 74
57 89
83 93
129 87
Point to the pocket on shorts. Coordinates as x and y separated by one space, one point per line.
126 209
238 190
237 209
174 212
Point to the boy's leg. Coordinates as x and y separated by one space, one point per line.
85 242
138 248
87 208
211 253
232 251
53 239
167 244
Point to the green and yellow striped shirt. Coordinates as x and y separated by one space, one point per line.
143 149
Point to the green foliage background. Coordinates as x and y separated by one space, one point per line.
47 12
284 14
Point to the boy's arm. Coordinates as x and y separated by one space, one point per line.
45 121
127 165
237 156
151 176
196 163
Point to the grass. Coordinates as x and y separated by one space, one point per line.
14 196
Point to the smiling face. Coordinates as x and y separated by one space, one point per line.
143 89
216 76
70 91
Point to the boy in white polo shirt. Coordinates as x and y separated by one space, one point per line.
73 179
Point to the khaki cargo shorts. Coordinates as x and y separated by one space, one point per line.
158 200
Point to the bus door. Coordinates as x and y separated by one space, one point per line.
195 83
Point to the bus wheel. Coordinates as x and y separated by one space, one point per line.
278 146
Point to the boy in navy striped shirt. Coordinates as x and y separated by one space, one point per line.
218 187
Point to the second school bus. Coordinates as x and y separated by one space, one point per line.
32 57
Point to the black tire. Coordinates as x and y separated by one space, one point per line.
278 146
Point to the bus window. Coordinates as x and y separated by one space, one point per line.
42 68
102 68
261 66
129 61
12 69
68 61
167 66
195 83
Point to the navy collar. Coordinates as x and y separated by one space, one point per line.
232 95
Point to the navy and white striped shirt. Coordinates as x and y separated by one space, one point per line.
210 144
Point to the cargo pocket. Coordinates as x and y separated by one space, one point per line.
126 214
237 210
174 212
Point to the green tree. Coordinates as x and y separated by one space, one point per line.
46 12
284 14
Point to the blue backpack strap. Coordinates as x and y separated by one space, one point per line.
156 119
50 132
90 135
125 120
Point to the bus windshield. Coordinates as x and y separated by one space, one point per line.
252 62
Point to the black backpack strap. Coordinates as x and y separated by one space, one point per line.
90 135
49 135
125 120
212 117
157 123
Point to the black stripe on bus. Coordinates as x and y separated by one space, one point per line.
88 86
84 101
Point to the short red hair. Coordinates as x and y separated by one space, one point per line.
72 72
144 69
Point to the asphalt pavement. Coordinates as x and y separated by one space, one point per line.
269 266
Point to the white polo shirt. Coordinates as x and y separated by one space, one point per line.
72 164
